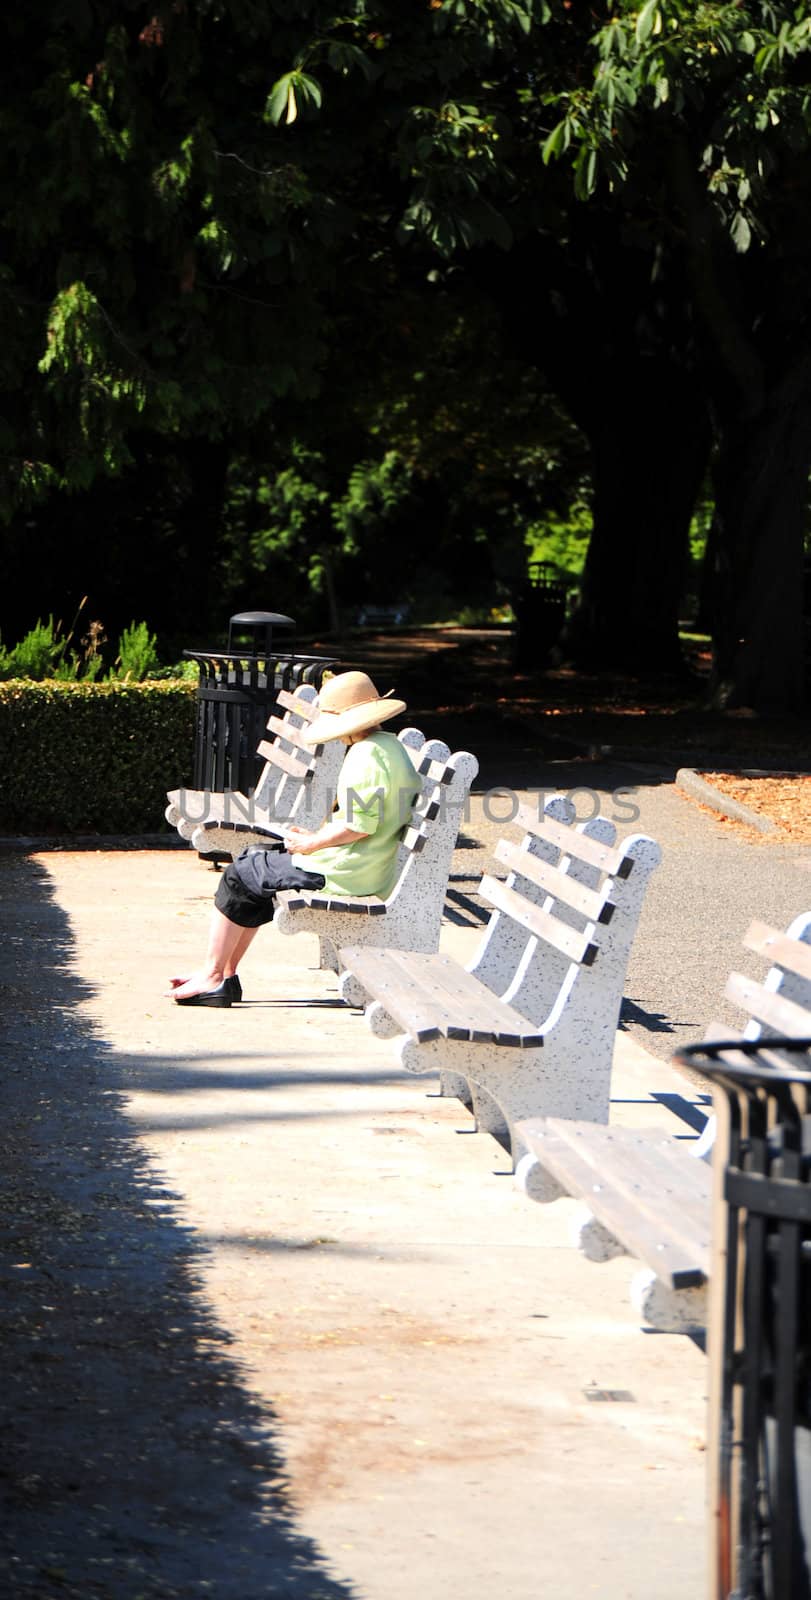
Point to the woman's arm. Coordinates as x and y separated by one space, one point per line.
301 842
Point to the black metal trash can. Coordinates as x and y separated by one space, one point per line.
760 1318
540 613
236 693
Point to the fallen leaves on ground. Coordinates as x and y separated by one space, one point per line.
785 798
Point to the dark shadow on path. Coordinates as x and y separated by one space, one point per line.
136 1465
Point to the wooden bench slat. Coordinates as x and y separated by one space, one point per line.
285 730
473 1012
432 992
637 1159
785 952
427 809
414 838
278 757
451 1019
718 1033
437 771
590 902
608 858
648 1192
577 946
355 904
399 995
265 829
303 708
785 1016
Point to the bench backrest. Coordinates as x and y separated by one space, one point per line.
780 1007
429 838
570 903
297 780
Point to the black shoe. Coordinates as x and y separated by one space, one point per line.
221 996
231 986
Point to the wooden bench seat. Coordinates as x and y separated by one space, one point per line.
431 997
649 1196
528 1027
642 1195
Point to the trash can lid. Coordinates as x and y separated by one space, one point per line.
275 618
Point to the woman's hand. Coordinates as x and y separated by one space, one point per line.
300 842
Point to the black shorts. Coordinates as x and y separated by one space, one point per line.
247 889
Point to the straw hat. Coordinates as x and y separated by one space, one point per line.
349 703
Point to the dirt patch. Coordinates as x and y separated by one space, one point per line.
783 798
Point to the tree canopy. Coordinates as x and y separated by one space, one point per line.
236 234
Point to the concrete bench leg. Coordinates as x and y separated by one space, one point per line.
352 991
669 1310
522 1083
489 1115
593 1239
535 1182
453 1086
381 1024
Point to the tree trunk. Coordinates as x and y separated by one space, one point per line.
649 454
588 316
761 487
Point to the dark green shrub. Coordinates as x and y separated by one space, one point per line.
92 757
137 653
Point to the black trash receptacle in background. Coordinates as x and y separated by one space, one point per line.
237 691
540 613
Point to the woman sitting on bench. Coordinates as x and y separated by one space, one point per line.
356 849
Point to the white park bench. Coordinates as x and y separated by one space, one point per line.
645 1195
297 782
530 1024
410 917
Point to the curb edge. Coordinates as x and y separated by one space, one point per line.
688 780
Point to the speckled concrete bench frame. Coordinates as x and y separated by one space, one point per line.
552 964
411 917
297 782
666 1224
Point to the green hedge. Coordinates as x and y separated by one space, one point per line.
92 757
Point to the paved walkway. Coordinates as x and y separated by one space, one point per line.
277 1323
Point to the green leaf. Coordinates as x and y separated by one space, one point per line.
648 21
308 90
765 57
740 232
556 143
277 99
585 172
290 94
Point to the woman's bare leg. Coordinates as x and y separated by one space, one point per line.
248 935
227 943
